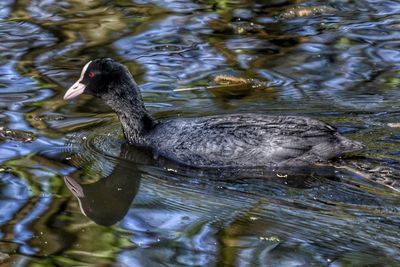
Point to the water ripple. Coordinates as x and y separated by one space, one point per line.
336 61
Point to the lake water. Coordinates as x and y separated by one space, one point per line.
73 194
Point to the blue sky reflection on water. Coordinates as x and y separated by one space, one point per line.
337 61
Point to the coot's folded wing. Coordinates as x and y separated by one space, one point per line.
246 140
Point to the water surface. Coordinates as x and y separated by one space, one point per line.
73 194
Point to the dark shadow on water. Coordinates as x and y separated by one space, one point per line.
107 200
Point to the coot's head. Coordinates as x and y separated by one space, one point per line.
99 78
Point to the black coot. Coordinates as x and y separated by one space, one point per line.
237 140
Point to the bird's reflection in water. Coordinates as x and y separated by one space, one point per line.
107 200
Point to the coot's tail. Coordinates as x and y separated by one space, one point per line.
349 145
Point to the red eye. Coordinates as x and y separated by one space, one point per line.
91 75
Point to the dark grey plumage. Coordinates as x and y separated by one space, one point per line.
248 140
239 140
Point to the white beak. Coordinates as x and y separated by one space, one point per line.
78 87
76 190
74 186
75 90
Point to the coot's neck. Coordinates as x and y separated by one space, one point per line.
125 99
